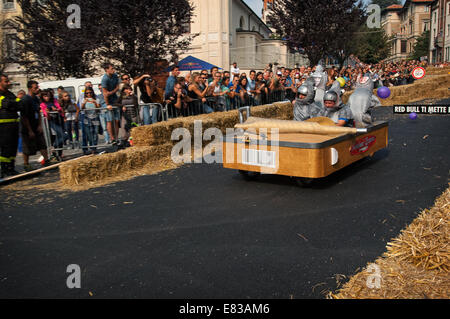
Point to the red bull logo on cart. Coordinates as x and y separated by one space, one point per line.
362 145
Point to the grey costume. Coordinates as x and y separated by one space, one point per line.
306 108
341 111
338 112
336 88
320 80
362 101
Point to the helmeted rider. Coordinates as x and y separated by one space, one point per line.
304 106
334 109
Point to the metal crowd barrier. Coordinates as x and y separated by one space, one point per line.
53 131
56 136
162 114
47 134
226 103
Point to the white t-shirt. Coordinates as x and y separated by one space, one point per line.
232 71
216 88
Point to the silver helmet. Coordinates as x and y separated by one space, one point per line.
303 90
330 96
307 90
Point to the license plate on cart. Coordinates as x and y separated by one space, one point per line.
259 158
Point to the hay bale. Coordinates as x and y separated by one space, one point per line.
417 262
92 169
426 242
398 281
438 71
155 134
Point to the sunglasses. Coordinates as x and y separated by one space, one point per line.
125 79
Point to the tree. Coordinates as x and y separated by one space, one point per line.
143 32
314 25
420 48
344 44
372 45
47 47
385 3
131 34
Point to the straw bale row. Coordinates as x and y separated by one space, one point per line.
96 168
434 71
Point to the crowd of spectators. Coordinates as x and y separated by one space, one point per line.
384 74
216 90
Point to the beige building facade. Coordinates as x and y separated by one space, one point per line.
229 31
390 21
404 24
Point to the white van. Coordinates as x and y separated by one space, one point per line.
73 86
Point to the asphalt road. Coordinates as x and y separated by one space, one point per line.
201 231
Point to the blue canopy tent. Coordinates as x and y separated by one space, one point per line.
191 63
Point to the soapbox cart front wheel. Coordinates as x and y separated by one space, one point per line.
248 175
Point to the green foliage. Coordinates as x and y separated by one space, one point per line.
131 34
372 45
420 48
318 27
